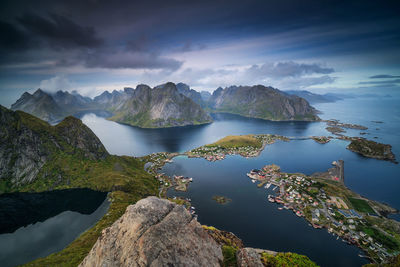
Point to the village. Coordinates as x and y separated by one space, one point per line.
243 145
324 205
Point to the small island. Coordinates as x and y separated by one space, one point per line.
221 199
372 149
321 139
244 145
337 128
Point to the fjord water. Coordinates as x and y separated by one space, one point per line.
34 225
250 215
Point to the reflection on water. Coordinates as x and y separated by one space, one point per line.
55 219
126 140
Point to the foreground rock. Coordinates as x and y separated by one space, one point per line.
251 257
155 232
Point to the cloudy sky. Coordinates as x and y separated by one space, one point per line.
97 45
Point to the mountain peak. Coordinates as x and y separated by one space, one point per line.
39 92
129 90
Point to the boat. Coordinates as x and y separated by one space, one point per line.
280 208
253 181
268 185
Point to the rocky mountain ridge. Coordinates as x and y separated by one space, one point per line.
169 105
27 143
261 102
162 106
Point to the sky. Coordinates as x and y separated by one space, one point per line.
96 45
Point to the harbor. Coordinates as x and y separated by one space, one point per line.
325 204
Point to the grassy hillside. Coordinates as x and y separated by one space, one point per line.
70 156
235 141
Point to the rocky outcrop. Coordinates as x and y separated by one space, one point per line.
27 143
162 106
155 232
251 257
261 102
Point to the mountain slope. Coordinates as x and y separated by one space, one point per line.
162 106
185 90
36 157
39 104
28 143
261 102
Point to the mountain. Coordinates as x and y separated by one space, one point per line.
39 104
205 95
314 98
185 90
28 143
169 105
71 101
162 106
261 102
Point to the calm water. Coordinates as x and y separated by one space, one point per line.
250 216
45 222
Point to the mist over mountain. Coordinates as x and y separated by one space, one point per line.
314 98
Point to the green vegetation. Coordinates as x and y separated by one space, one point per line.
285 260
381 237
74 158
393 262
229 254
371 149
125 176
75 252
235 141
230 244
221 199
361 205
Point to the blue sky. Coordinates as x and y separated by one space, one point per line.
91 46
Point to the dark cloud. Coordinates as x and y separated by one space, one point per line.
384 76
130 60
188 46
12 38
60 31
382 82
287 69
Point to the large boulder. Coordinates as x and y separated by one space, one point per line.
155 232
